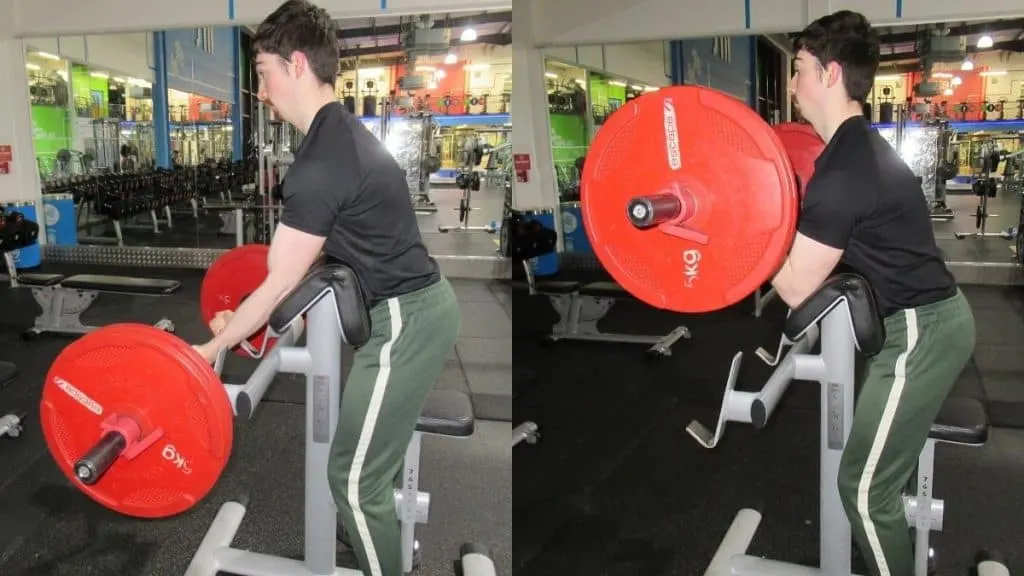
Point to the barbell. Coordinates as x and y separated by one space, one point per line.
136 418
691 200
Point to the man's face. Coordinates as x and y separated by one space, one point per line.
809 86
277 84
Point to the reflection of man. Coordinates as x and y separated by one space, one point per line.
864 207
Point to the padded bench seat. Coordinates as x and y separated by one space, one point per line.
961 421
40 280
447 413
604 290
122 284
557 286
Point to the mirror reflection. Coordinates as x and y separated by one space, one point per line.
157 138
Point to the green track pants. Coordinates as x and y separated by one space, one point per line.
904 387
413 336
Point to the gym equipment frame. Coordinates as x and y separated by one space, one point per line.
329 299
849 322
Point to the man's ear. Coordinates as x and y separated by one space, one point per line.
298 62
833 74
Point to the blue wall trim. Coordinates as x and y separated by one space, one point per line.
675 54
973 126
454 120
383 4
236 110
190 68
752 99
728 72
161 117
899 8
231 9
746 9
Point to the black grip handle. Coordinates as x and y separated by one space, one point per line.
91 467
648 211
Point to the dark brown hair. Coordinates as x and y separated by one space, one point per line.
301 26
846 38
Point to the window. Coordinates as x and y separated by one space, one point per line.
204 39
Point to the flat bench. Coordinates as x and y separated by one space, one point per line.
581 305
63 299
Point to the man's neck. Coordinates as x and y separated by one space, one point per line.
316 103
841 115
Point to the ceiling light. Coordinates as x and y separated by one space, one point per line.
994 73
47 55
985 42
948 91
451 58
957 81
550 75
468 35
99 75
32 66
967 66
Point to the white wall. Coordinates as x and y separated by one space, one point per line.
130 54
644 62
58 17
575 22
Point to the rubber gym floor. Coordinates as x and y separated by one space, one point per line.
616 487
49 528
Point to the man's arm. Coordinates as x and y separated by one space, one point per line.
805 269
292 252
827 219
313 197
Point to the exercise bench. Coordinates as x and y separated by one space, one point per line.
849 320
335 314
581 305
63 299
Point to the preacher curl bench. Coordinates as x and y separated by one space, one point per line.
849 321
63 299
331 301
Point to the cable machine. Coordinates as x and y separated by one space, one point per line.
985 159
468 179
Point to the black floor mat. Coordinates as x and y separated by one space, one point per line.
615 485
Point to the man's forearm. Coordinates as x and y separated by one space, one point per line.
788 287
250 315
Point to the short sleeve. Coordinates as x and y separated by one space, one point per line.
314 194
831 209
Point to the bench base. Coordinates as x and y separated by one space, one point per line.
578 317
61 312
10 425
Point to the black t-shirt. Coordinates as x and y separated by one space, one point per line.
344 185
865 200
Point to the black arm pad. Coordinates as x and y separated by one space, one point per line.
866 322
338 280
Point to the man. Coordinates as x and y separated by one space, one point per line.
865 208
346 195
